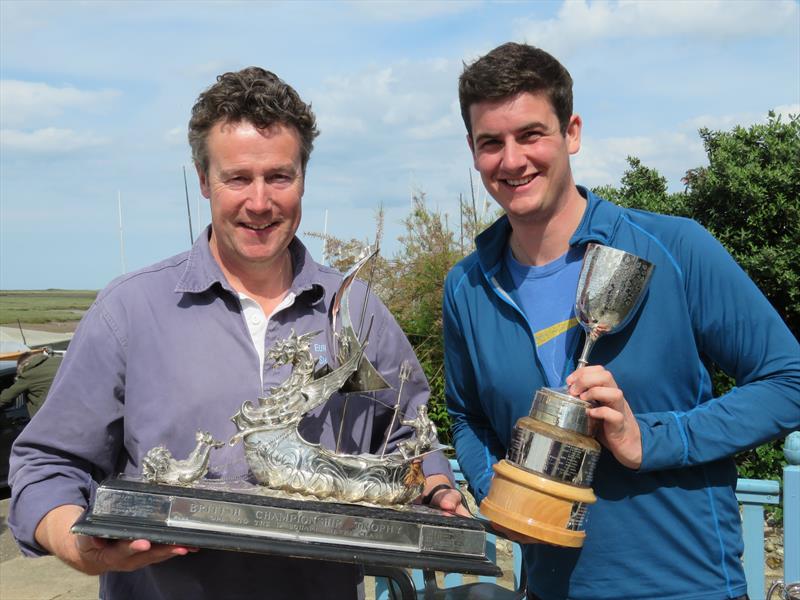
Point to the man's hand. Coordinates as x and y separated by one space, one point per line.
448 500
619 429
92 555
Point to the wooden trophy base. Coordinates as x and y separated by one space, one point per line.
535 506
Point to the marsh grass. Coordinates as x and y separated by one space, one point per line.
43 306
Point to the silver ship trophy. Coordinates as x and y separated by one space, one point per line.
303 500
543 488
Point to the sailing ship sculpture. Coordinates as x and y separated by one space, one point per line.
280 459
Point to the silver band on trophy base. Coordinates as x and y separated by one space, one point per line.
542 489
553 456
306 500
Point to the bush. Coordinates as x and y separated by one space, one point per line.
748 197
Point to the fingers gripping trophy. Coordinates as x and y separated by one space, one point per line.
543 488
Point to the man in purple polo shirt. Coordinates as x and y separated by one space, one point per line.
178 346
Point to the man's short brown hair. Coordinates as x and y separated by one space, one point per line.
511 69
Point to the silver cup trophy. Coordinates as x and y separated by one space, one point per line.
543 488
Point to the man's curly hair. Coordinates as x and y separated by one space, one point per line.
254 95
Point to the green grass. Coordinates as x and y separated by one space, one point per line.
43 306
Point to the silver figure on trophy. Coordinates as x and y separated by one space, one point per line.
543 488
278 456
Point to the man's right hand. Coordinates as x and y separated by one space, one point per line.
92 555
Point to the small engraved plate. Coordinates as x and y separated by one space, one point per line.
449 540
588 467
577 517
124 503
516 449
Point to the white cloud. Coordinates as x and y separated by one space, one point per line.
723 122
412 99
209 69
442 126
579 23
175 136
26 102
405 11
49 140
330 124
787 109
602 161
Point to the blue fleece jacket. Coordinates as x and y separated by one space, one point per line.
672 528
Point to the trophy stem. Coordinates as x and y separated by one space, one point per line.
587 348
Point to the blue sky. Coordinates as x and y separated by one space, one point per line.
95 97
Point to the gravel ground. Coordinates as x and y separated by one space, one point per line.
44 578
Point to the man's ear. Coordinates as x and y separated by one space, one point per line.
471 145
202 177
574 134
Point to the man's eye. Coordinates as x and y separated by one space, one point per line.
489 144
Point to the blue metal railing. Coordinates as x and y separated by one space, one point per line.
753 494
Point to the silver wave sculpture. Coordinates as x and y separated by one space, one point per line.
278 456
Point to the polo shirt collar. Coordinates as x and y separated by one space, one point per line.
202 271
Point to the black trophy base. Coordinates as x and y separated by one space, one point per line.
242 520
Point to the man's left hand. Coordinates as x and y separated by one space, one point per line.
618 428
446 499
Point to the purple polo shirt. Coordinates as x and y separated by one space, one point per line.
164 352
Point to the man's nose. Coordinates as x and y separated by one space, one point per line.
260 199
513 157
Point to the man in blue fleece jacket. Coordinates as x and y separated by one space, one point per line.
666 523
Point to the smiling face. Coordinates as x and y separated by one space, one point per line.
522 156
255 183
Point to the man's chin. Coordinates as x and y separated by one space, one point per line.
261 258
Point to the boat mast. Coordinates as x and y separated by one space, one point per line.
121 240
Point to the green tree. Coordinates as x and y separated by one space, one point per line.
644 188
429 250
748 197
411 283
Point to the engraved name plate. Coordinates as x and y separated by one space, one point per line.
293 524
